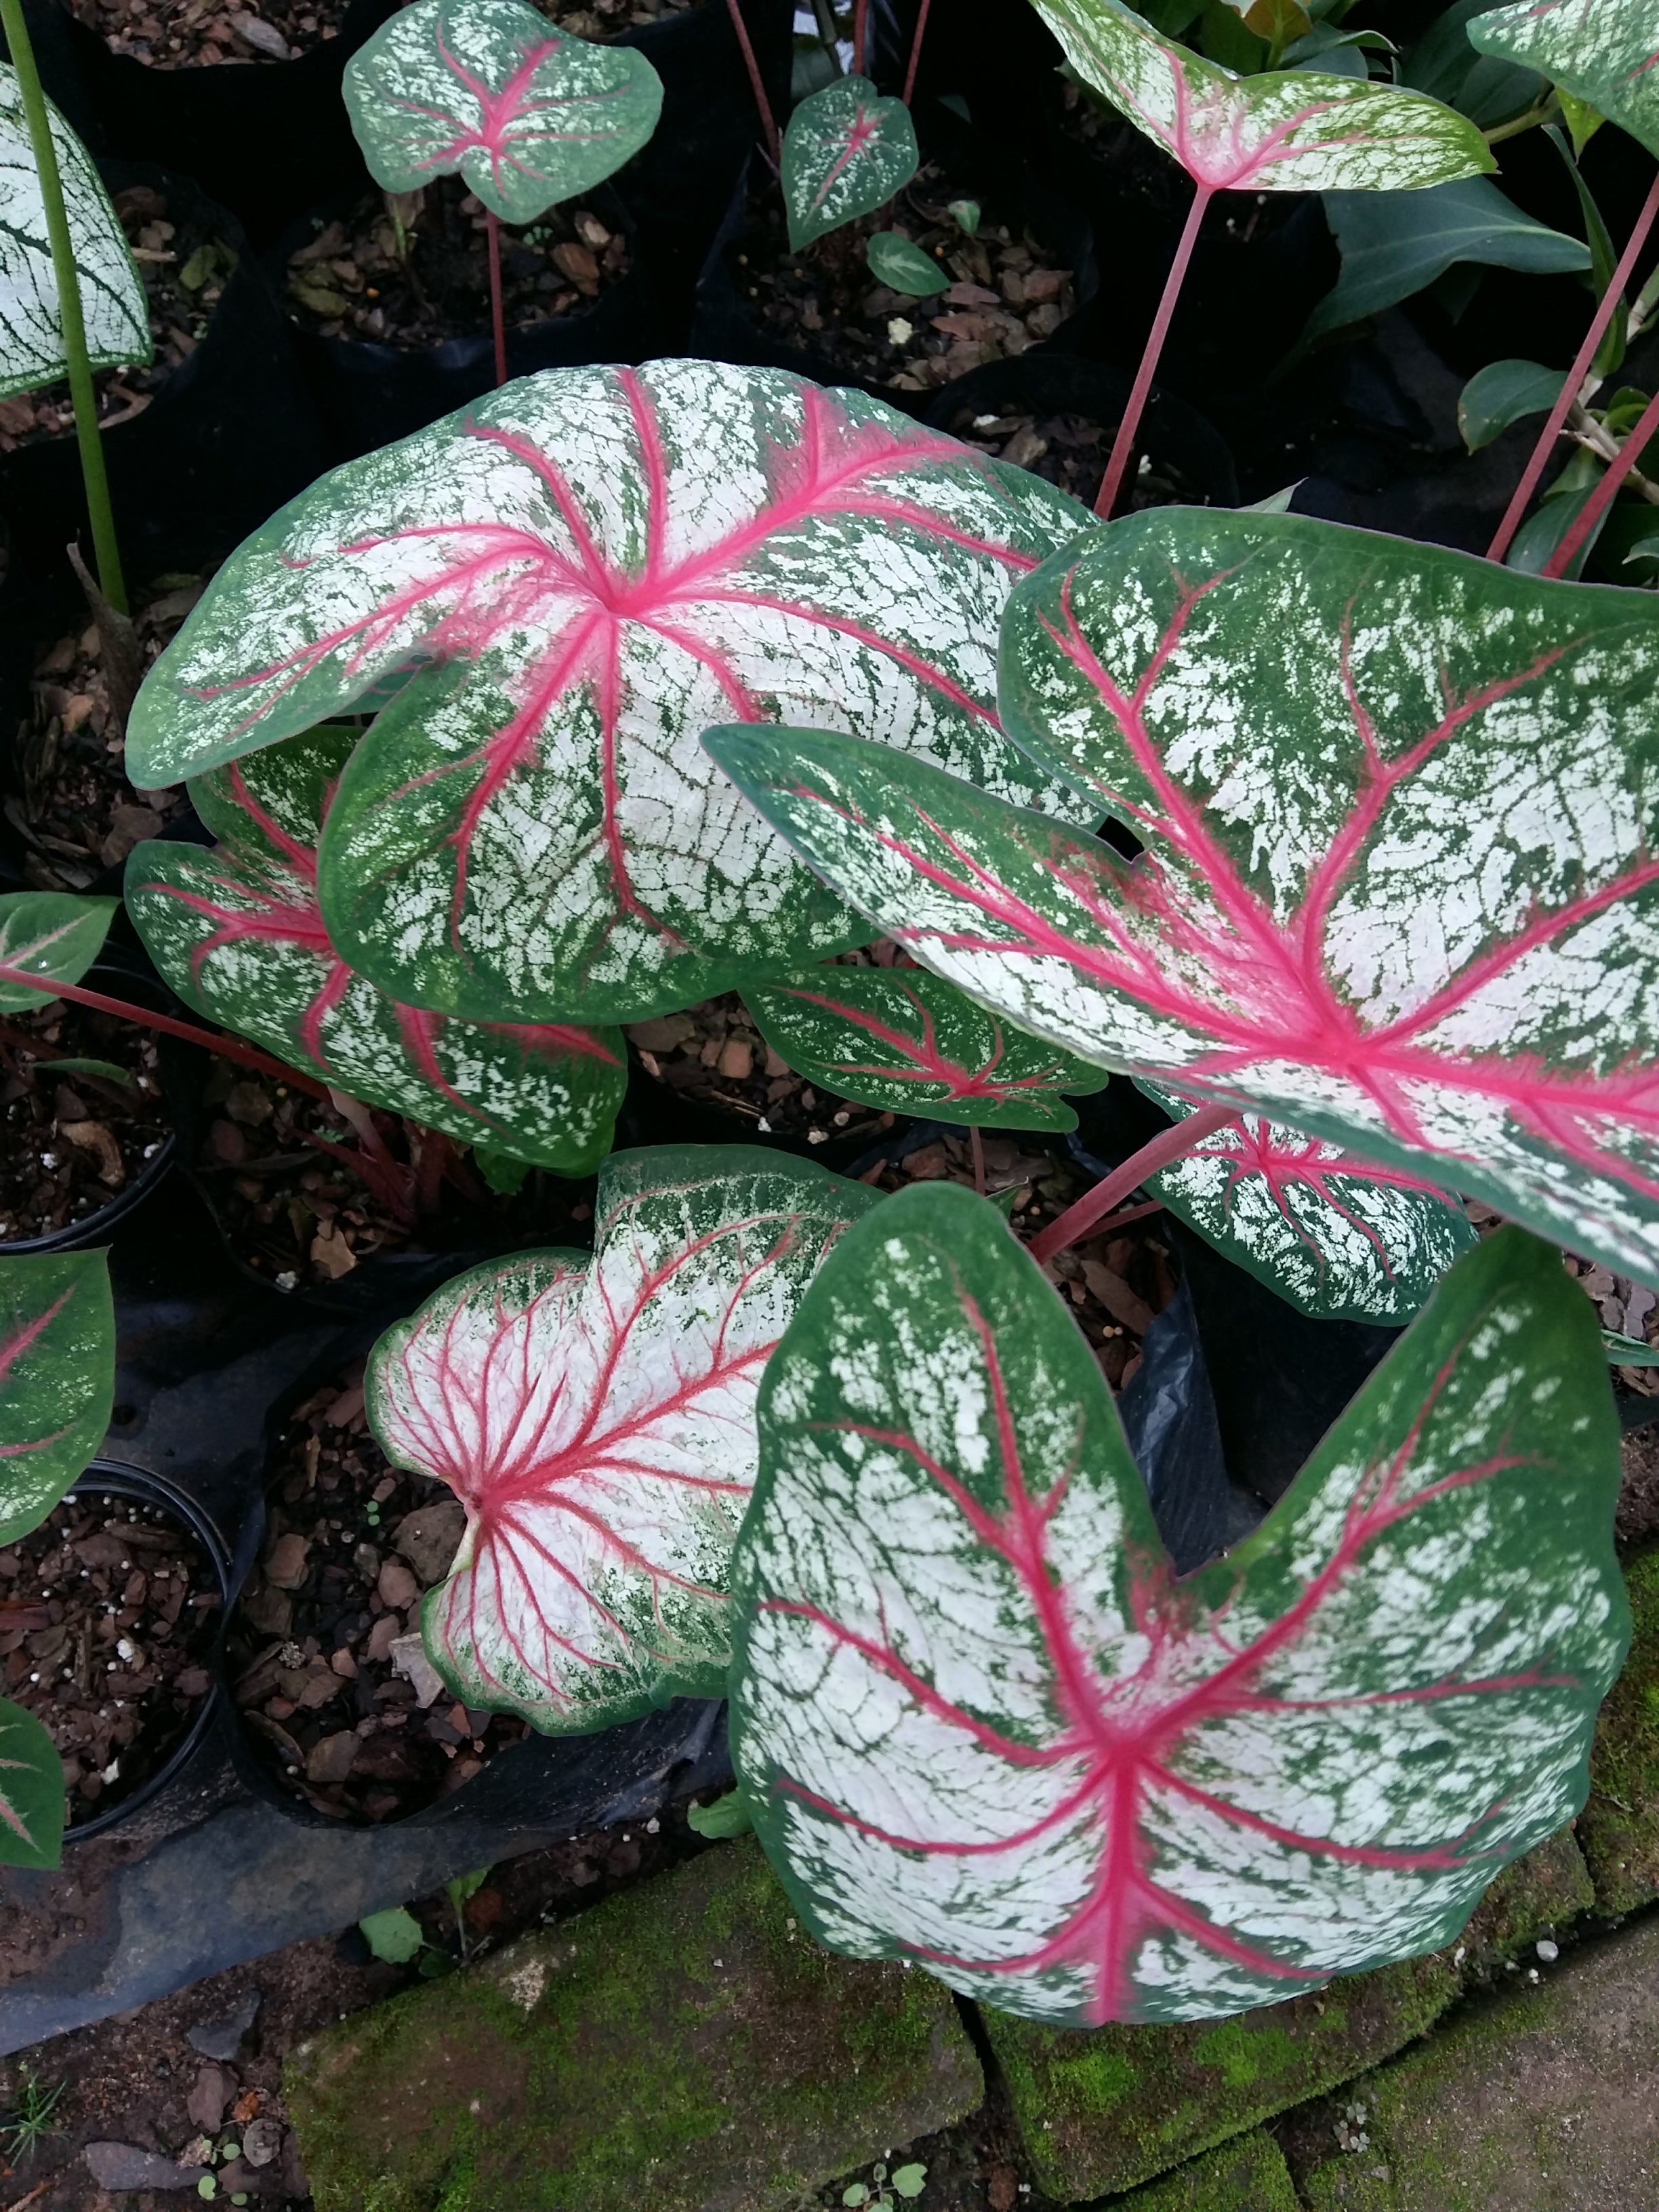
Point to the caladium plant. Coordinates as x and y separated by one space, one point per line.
847 151
984 1728
47 938
1605 55
238 933
1398 808
905 1040
584 572
596 1418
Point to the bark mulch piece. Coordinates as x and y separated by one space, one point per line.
1008 289
106 1613
1070 452
69 1142
602 19
184 268
324 1648
357 279
171 35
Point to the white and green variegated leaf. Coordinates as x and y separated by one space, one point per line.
1337 1236
47 938
237 933
489 90
1606 51
596 1417
31 1791
984 1728
57 1378
1400 882
584 571
113 304
847 149
1292 131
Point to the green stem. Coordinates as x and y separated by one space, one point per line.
106 551
1527 121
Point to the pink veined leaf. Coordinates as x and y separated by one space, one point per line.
57 1378
47 938
31 1791
584 571
597 1420
238 933
1606 51
846 151
982 1726
487 89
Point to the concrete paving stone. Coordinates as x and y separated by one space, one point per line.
1246 2175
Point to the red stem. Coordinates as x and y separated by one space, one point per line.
1123 445
1607 492
860 32
1169 1145
757 83
1606 310
497 310
915 51
227 1048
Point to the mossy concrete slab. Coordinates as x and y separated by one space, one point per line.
1618 1828
681 2048
1246 2175
1541 1894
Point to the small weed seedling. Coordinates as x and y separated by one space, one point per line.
32 2118
884 2189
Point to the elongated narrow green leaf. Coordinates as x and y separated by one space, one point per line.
846 151
1292 131
1443 64
112 303
597 1420
31 1791
984 1728
47 938
1503 393
1400 887
914 1043
57 1378
488 90
1607 51
1392 247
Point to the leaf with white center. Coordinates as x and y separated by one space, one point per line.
1291 131
1606 51
488 90
1337 1236
31 1791
983 1726
47 938
113 303
902 1039
597 1420
1400 887
584 571
57 1378
238 933
899 262
847 150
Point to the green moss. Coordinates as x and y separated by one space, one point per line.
1247 2175
1542 1894
1244 2055
1618 1828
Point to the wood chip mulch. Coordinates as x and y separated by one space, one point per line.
171 35
70 1141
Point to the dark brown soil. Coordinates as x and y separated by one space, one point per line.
184 268
325 1639
602 19
1071 451
107 1611
189 33
353 281
69 1141
1007 290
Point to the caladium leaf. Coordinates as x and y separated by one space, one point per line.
902 1039
113 303
984 1727
31 1791
847 150
238 933
1342 1239
47 938
1607 51
1400 887
487 89
57 1378
597 1420
1289 130
601 562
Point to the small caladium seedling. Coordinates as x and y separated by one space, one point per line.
238 933
984 1727
596 1417
911 1043
584 572
57 1378
47 938
846 151
1399 812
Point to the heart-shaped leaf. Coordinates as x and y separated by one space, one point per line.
1292 131
47 938
238 933
31 1791
984 1727
1607 51
1342 1239
113 303
846 151
57 1378
899 262
595 564
1400 876
597 1420
487 89
907 1041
